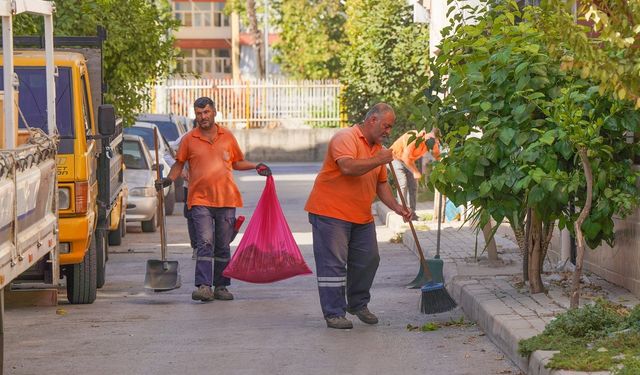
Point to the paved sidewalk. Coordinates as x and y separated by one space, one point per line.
493 294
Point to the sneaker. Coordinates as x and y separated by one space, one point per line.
365 315
194 255
339 322
203 293
222 293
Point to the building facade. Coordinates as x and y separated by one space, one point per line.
212 44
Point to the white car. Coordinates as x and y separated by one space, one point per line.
142 205
145 131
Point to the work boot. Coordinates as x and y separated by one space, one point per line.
203 293
365 315
222 293
339 322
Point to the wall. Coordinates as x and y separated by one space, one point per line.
620 264
300 145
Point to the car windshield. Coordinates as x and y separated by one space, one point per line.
147 136
133 155
168 129
32 99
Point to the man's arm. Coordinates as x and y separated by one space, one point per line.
358 167
386 196
175 170
243 165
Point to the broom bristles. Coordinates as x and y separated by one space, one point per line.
435 299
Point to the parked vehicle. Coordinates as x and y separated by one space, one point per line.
89 161
171 127
145 131
140 175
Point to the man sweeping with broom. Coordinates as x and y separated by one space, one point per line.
345 246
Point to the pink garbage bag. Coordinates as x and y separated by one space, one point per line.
267 251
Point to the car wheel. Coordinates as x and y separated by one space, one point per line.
150 225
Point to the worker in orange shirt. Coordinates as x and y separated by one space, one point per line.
344 233
212 153
405 155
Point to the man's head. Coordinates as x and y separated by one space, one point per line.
378 123
205 111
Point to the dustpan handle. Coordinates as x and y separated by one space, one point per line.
440 218
160 193
423 261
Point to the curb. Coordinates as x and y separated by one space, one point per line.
503 319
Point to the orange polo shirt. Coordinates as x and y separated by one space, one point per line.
343 197
400 146
211 181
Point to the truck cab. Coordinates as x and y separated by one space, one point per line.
91 198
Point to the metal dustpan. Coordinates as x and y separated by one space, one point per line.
162 275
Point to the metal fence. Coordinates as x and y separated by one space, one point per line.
266 103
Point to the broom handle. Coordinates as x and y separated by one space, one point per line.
163 239
423 261
440 217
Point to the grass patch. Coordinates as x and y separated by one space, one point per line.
397 238
598 337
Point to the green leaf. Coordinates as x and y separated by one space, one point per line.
506 135
485 106
548 137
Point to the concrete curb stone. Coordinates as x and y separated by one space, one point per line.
505 315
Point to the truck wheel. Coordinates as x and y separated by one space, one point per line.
169 202
81 278
102 249
124 226
115 236
150 225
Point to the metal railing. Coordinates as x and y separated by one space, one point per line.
266 103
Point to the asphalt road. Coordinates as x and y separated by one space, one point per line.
269 329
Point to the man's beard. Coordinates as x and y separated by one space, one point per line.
205 125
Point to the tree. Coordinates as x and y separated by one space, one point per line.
138 51
513 154
601 42
311 38
385 59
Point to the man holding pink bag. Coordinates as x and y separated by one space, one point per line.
212 153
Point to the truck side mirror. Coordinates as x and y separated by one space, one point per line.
106 120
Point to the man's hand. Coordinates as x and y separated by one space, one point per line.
404 212
163 183
385 156
263 170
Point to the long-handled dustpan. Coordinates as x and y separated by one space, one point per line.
162 275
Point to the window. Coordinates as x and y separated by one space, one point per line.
200 14
33 99
204 61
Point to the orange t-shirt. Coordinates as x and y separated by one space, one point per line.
343 197
211 181
400 146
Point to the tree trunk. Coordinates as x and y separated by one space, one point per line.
527 234
535 253
490 242
547 235
577 274
258 45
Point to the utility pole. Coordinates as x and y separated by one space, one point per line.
266 38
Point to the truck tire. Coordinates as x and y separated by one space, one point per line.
81 278
170 202
102 250
115 236
150 225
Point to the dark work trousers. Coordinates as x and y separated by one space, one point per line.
408 184
187 214
347 259
214 229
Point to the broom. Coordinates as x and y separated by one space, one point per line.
435 298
